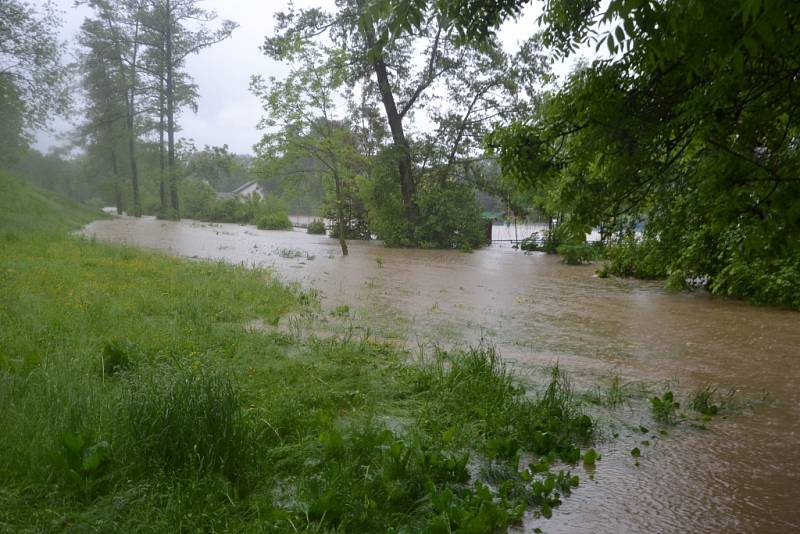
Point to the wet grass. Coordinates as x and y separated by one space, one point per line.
135 396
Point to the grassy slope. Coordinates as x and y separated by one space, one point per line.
134 397
24 208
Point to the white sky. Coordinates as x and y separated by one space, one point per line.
228 112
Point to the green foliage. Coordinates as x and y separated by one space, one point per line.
615 394
197 199
13 141
474 388
276 220
203 422
187 418
118 355
316 227
33 82
450 216
381 195
664 408
580 253
481 82
449 213
640 259
689 126
703 401
84 465
590 457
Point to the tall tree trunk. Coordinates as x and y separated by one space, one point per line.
340 213
113 152
404 163
137 206
115 174
173 178
162 190
131 116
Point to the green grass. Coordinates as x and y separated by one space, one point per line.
135 395
28 209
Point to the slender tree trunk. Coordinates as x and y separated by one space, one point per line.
113 153
340 213
115 174
137 206
162 190
131 115
173 178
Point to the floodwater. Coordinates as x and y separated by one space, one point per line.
742 474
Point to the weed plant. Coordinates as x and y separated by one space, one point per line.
664 408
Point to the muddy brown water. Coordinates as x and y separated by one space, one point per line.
740 475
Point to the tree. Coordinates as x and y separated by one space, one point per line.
177 29
690 125
12 119
302 122
386 70
114 38
214 164
32 80
106 105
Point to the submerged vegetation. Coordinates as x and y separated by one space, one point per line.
152 401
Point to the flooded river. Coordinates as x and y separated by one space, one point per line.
741 475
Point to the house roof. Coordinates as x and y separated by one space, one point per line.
243 187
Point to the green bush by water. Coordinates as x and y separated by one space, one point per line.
316 227
277 220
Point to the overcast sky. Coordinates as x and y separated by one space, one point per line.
227 112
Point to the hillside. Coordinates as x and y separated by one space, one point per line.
25 208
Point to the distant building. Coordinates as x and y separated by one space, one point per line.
244 191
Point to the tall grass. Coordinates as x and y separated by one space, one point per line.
189 420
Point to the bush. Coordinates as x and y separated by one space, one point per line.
580 253
449 212
450 216
276 220
197 199
316 227
384 203
229 210
639 259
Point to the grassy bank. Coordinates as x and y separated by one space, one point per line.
136 395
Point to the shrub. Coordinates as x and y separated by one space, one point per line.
316 227
450 216
197 199
384 203
227 210
639 259
274 221
579 253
